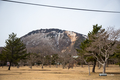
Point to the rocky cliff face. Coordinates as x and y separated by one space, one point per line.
52 40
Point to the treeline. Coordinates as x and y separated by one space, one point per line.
100 47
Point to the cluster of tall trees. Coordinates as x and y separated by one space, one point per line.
100 45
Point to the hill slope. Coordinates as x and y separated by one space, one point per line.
52 41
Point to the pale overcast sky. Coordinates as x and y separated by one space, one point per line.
22 18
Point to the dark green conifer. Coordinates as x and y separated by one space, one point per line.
82 51
14 50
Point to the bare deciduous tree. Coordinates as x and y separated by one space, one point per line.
31 59
43 52
103 45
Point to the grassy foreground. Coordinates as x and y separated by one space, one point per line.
77 73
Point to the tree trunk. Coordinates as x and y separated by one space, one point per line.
63 65
50 65
9 66
107 63
94 64
99 65
104 67
31 66
17 66
81 65
42 66
56 65
89 68
2 64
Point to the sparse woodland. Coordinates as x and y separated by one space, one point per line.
101 47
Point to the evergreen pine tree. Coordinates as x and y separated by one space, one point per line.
82 51
14 50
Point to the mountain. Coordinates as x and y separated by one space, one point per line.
52 41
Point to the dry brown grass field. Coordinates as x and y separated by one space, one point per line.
53 73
